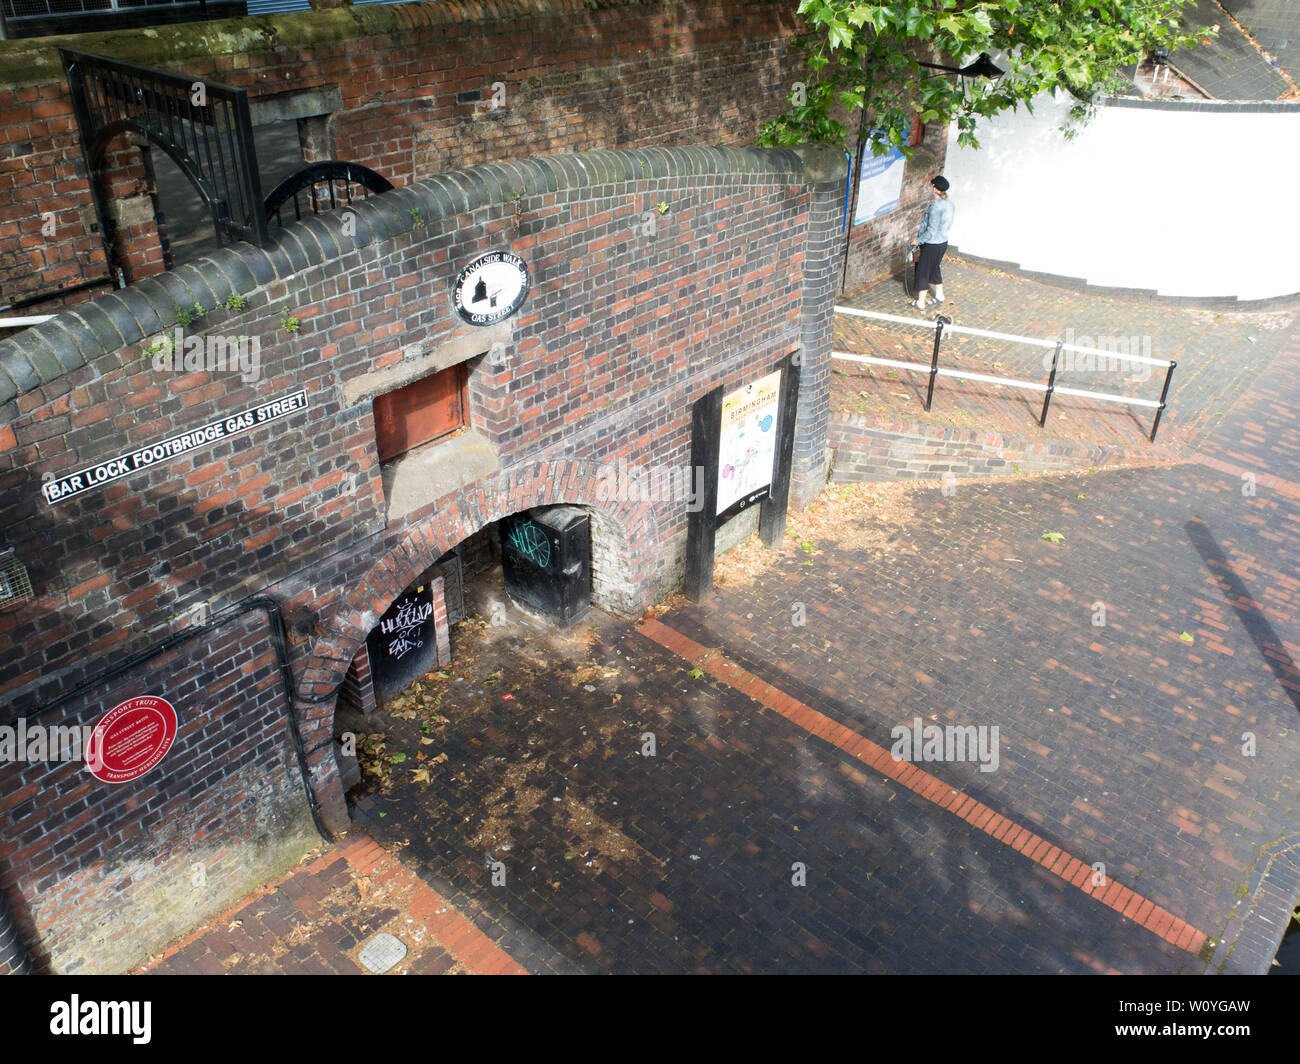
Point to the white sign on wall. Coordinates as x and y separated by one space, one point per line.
880 184
747 441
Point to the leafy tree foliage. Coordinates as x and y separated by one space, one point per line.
865 59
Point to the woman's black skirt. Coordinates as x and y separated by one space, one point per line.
927 265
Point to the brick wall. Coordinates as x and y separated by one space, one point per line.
358 690
226 809
621 331
868 451
577 76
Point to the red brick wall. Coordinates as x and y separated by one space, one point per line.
40 174
621 332
128 189
99 866
358 690
578 76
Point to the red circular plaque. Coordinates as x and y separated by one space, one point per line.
131 739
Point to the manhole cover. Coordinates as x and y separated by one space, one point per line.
382 952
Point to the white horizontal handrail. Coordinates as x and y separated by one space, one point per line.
921 367
20 322
882 317
1115 355
1108 397
878 361
966 330
1028 385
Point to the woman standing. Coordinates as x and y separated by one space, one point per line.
934 242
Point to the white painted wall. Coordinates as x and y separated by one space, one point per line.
1190 203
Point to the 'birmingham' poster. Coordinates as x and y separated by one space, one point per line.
747 443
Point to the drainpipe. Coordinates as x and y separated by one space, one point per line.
13 954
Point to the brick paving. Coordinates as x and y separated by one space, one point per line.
519 804
317 919
1090 880
1119 744
683 862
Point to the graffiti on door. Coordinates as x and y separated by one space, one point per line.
530 541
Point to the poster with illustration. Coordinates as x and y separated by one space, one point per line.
747 444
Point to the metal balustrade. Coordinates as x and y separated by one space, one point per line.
1050 388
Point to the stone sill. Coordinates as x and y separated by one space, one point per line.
437 469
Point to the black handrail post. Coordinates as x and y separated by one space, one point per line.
81 111
939 322
1164 394
1051 383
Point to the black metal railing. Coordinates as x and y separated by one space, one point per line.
324 186
42 18
204 126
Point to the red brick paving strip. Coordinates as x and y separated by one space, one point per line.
1236 469
1056 861
453 932
457 935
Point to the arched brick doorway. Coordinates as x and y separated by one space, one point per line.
626 552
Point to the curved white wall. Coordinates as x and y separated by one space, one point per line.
1188 202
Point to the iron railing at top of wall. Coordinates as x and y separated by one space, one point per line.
41 18
18 10
942 324
328 185
205 127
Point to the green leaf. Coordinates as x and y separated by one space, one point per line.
1052 537
1186 638
839 35
859 14
1042 44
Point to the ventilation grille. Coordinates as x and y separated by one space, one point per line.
15 588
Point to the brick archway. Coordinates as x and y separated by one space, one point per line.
634 526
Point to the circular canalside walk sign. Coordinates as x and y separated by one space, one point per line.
491 288
130 739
